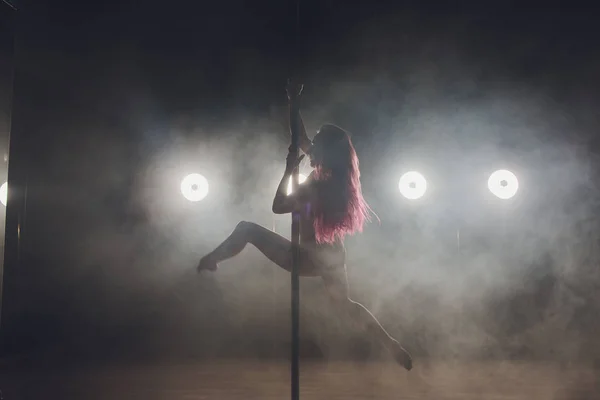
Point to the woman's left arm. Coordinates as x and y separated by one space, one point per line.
284 203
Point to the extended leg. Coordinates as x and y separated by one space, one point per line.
337 287
275 247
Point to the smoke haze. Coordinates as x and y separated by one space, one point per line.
111 244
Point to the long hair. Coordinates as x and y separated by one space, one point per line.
340 208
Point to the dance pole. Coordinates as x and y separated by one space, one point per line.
294 126
295 268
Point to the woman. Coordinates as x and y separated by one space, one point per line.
330 205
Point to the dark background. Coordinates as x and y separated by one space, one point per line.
114 102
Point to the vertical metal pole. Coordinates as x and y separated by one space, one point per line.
294 125
295 266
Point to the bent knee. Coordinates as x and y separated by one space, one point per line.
245 226
354 308
341 300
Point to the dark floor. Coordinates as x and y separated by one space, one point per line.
251 380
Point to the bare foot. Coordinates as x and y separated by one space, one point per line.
402 356
206 263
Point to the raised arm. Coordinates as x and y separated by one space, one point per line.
284 203
305 143
294 92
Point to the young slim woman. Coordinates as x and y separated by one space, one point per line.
330 205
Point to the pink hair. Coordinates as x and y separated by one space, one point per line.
340 209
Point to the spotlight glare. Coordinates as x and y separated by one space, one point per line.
301 179
4 193
412 185
503 184
194 187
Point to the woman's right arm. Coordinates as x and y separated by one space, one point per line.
305 143
284 203
294 94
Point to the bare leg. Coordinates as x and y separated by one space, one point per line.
337 287
275 247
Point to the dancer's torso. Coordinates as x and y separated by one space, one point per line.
331 254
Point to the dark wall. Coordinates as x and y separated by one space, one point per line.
7 31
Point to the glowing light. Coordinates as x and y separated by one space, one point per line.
412 185
301 179
4 193
503 184
194 187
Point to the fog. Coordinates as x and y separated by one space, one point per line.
112 244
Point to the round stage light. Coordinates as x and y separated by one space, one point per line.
503 184
412 185
301 179
194 187
4 193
